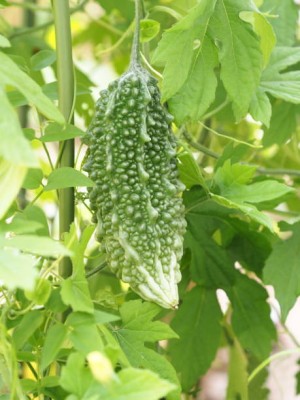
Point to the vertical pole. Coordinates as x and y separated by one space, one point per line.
65 77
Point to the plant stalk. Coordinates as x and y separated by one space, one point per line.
65 77
135 53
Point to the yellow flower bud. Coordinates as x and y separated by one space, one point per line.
100 366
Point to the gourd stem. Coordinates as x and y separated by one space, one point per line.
135 53
61 13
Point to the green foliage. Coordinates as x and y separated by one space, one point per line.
197 324
212 33
251 319
74 290
283 275
42 59
138 328
11 74
280 84
149 29
67 177
285 22
229 72
129 383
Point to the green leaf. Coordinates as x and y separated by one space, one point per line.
211 265
189 170
41 292
142 384
4 42
234 174
84 333
30 220
65 177
235 152
137 319
42 246
198 325
248 210
11 179
237 373
282 125
282 269
75 376
33 179
26 327
257 389
55 337
149 29
16 154
234 193
257 192
103 317
42 59
57 133
75 290
10 74
249 247
285 26
49 381
180 39
136 384
280 84
251 320
198 92
55 303
263 29
138 328
239 54
29 133
75 293
17 270
28 385
261 108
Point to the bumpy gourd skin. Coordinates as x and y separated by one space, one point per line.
136 198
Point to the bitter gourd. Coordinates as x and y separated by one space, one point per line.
136 199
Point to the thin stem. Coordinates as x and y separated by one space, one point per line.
229 137
45 25
199 146
48 155
37 196
215 110
135 53
60 153
78 154
279 171
65 74
33 371
268 361
262 171
176 15
118 43
108 27
95 270
149 66
285 214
